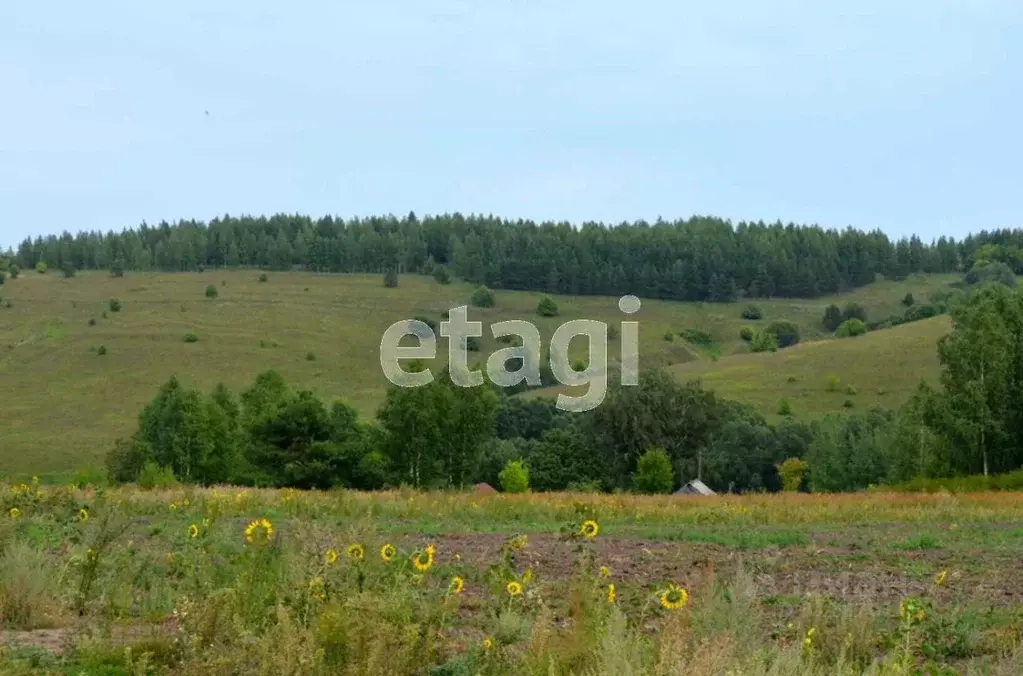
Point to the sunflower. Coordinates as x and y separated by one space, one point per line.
193 531
488 643
589 529
611 595
605 571
423 561
330 557
15 512
259 531
457 585
674 597
83 514
387 553
513 588
356 552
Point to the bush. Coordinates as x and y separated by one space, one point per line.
442 275
908 300
482 297
752 312
473 344
14 270
832 318
154 476
92 321
391 279
612 332
114 304
191 338
309 356
832 384
701 338
747 333
764 342
848 403
854 311
41 267
263 277
985 271
786 332
547 307
514 478
784 408
101 350
211 291
791 473
669 336
117 268
67 270
851 328
654 473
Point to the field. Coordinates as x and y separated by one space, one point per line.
782 584
65 403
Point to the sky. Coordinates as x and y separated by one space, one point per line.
903 116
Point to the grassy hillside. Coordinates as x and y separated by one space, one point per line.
64 403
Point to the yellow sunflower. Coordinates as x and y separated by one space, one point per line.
330 557
387 553
589 529
83 514
674 597
513 588
356 552
611 595
457 585
423 561
259 531
15 512
488 643
193 531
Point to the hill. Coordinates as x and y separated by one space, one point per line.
65 403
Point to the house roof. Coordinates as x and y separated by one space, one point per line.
695 486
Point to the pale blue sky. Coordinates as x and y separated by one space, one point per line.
903 115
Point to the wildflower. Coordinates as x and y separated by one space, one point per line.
193 531
513 588
527 576
457 585
611 595
940 580
605 571
808 641
519 541
259 530
911 611
387 553
356 552
35 481
423 561
330 557
173 506
316 589
488 643
589 529
15 512
83 514
674 597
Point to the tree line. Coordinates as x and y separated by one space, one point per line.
695 259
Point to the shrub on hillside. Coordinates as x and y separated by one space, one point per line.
482 297
263 277
114 304
669 336
764 341
547 307
832 318
391 278
41 267
791 473
211 291
101 350
153 476
442 275
92 321
752 312
473 344
697 336
514 478
784 408
67 270
984 271
191 338
854 311
14 270
851 328
908 300
117 268
654 473
747 333
786 332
